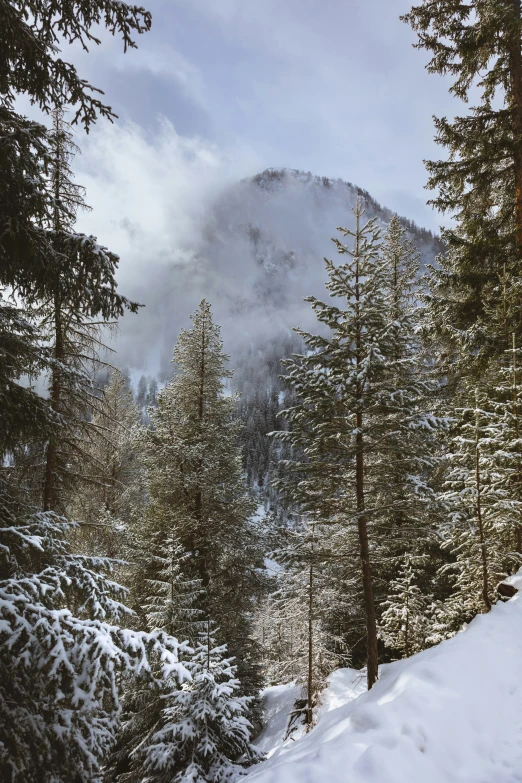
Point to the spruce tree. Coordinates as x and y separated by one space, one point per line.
82 300
25 414
338 386
480 184
506 442
477 505
63 649
195 479
29 66
407 460
360 430
294 624
404 623
28 39
205 737
168 605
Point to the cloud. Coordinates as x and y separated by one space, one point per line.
151 195
335 88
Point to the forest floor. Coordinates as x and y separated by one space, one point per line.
451 714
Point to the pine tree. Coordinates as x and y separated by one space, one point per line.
407 460
404 623
196 485
206 734
480 185
62 652
359 427
476 504
293 628
82 299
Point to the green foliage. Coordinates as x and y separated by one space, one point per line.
193 463
478 44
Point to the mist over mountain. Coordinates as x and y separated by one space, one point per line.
254 252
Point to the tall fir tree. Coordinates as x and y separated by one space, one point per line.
82 299
335 384
360 430
405 524
480 184
478 508
197 490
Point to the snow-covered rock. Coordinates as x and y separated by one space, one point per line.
451 714
510 585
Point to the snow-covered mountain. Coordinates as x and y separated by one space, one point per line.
257 252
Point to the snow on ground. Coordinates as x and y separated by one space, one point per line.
451 714
278 701
277 704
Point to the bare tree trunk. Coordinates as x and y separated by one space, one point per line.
407 629
50 498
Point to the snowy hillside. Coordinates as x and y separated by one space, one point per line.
451 714
280 732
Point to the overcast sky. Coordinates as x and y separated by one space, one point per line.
222 89
330 86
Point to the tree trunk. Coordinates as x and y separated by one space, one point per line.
362 519
515 67
198 500
407 629
485 585
310 679
518 479
50 494
362 525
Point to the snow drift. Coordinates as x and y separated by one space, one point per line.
451 714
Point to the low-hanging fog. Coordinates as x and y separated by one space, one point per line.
192 221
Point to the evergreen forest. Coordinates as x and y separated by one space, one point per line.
347 495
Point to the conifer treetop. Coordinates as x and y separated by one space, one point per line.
463 36
31 35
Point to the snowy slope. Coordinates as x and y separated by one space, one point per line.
452 714
278 701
